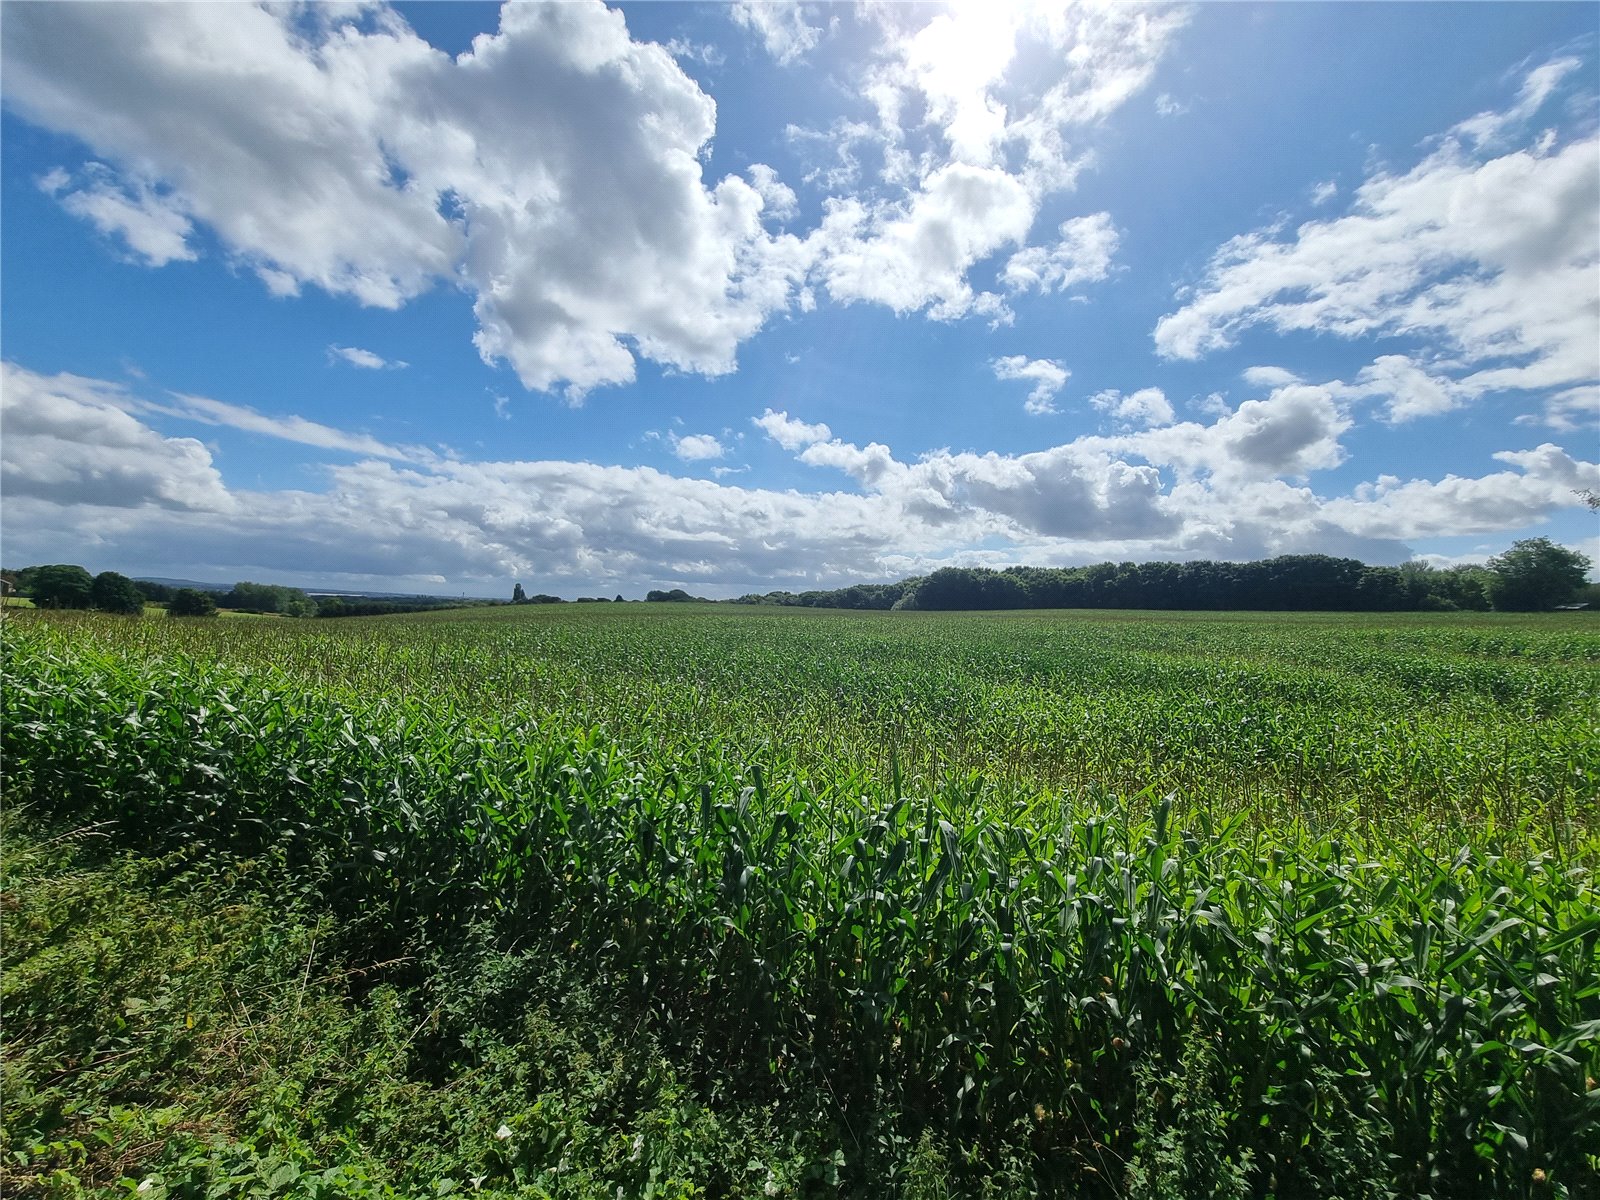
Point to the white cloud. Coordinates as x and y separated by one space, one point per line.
969 154
85 477
700 52
790 433
1322 192
696 447
780 24
1294 432
841 138
1227 477
285 428
1492 260
1269 377
151 224
69 441
355 356
1409 391
777 198
1573 408
1081 255
1540 84
1544 480
1047 376
1146 407
917 255
554 169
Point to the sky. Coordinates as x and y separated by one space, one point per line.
732 297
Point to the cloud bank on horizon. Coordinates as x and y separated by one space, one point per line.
287 271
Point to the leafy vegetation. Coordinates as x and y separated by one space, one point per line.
1532 576
57 585
1535 575
911 904
191 602
114 593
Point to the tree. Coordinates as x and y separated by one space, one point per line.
192 602
59 585
270 598
114 593
518 596
1535 575
154 593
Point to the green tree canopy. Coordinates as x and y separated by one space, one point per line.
114 593
154 593
1535 575
269 598
59 585
192 602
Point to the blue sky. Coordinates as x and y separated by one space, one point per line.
440 297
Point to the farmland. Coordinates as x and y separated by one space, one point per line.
651 900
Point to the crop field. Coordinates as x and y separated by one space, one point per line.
677 900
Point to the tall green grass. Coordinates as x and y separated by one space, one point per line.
1305 904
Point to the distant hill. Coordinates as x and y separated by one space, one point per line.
184 583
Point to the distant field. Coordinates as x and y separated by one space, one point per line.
1468 717
1083 896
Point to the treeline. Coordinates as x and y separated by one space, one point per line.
66 585
1533 575
361 606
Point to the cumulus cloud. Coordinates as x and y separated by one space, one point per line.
1111 487
1408 390
777 198
150 224
917 255
1293 432
1571 408
68 441
1047 376
969 155
790 433
553 168
1543 480
696 447
1147 406
1082 254
1269 377
84 472
782 26
1491 259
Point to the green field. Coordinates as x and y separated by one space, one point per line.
700 900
